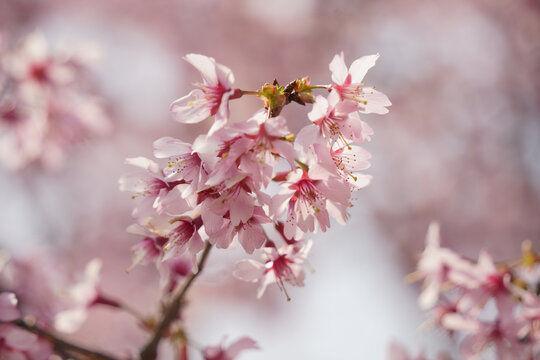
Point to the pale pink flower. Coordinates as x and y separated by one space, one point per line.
184 163
46 105
434 267
348 83
308 198
348 161
158 195
220 352
280 266
482 282
211 97
184 237
501 335
82 295
226 171
222 230
338 120
270 140
150 248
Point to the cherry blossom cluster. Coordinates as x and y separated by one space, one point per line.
217 189
47 102
491 305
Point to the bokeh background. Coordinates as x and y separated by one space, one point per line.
461 145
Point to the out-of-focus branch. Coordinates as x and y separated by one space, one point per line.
149 352
60 345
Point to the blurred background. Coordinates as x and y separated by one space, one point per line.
461 145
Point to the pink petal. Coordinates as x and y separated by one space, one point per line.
339 69
248 270
360 67
8 307
206 66
239 345
191 109
167 146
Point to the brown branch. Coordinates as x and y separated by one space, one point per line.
62 345
149 352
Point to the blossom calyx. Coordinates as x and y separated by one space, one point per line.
274 97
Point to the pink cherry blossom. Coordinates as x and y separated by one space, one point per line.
47 104
338 120
83 295
348 83
483 282
211 97
309 198
434 267
184 237
158 195
184 163
222 230
280 266
220 352
150 248
502 334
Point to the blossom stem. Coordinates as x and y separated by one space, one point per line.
246 92
109 301
60 345
149 352
316 87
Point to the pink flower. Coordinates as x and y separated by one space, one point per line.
184 164
220 352
310 197
83 295
348 83
46 105
434 267
348 160
283 265
184 237
482 282
149 249
270 140
158 195
222 230
502 334
212 97
338 120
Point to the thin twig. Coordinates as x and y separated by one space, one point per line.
149 352
60 344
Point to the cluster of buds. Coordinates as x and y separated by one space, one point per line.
217 189
491 304
47 103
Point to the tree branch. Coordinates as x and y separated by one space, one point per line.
149 352
62 345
